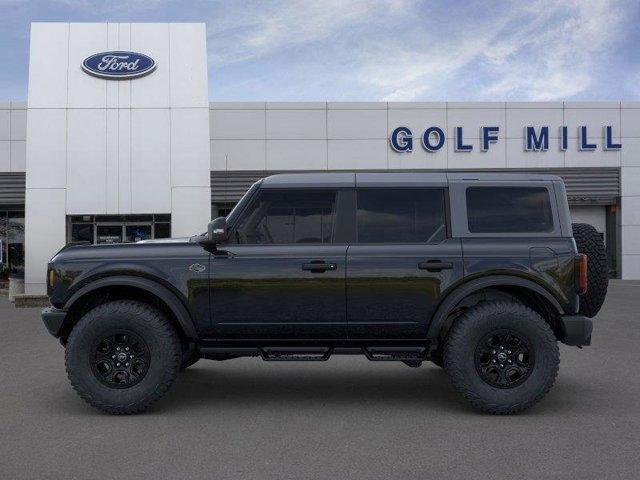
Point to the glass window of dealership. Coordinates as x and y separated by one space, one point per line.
91 159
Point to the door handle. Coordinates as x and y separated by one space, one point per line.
435 266
318 267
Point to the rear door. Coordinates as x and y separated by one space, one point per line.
401 262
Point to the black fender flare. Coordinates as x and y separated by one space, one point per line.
163 293
462 291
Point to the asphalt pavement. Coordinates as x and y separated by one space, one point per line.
346 418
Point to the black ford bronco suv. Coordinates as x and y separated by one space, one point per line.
479 273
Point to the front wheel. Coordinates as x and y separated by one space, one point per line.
502 357
122 356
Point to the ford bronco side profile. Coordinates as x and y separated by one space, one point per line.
480 273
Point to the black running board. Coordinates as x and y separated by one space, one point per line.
317 353
295 354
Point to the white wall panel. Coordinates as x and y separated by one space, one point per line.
113 43
48 63
124 161
630 266
418 120
86 91
296 124
357 124
296 154
238 155
112 161
5 124
495 157
150 161
190 158
86 161
152 91
188 54
471 119
592 118
418 158
47 148
517 157
18 156
630 211
357 154
18 124
190 210
574 157
630 180
44 234
630 153
518 118
5 156
124 86
238 124
630 120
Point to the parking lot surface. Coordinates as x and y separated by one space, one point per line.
347 418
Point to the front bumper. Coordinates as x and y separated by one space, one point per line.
53 319
576 330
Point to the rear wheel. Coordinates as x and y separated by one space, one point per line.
122 356
502 357
590 243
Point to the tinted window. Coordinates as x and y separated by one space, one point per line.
288 216
401 215
509 210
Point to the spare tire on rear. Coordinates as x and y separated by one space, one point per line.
590 243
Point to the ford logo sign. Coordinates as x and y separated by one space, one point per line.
118 65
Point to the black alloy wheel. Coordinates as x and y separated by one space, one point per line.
120 359
504 358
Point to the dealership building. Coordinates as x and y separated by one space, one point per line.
118 141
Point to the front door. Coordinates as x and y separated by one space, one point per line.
401 263
281 276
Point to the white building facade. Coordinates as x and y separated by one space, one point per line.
102 160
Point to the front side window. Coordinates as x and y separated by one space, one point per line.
401 215
288 216
509 210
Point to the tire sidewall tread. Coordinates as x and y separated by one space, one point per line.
464 337
157 332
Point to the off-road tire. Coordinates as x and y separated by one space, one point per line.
148 324
468 332
590 243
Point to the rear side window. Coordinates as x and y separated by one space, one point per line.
288 216
509 210
402 215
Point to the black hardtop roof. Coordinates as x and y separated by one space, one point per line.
396 179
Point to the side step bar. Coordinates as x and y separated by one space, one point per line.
317 354
292 354
395 354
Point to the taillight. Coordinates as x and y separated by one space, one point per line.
580 269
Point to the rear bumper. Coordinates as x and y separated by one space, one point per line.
576 330
53 319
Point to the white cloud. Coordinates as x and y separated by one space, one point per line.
542 51
260 29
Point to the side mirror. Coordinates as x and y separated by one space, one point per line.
217 231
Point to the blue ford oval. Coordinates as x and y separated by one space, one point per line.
118 65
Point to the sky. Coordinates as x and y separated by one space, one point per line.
377 50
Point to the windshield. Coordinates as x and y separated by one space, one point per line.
235 211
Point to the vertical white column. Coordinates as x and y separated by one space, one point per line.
630 176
